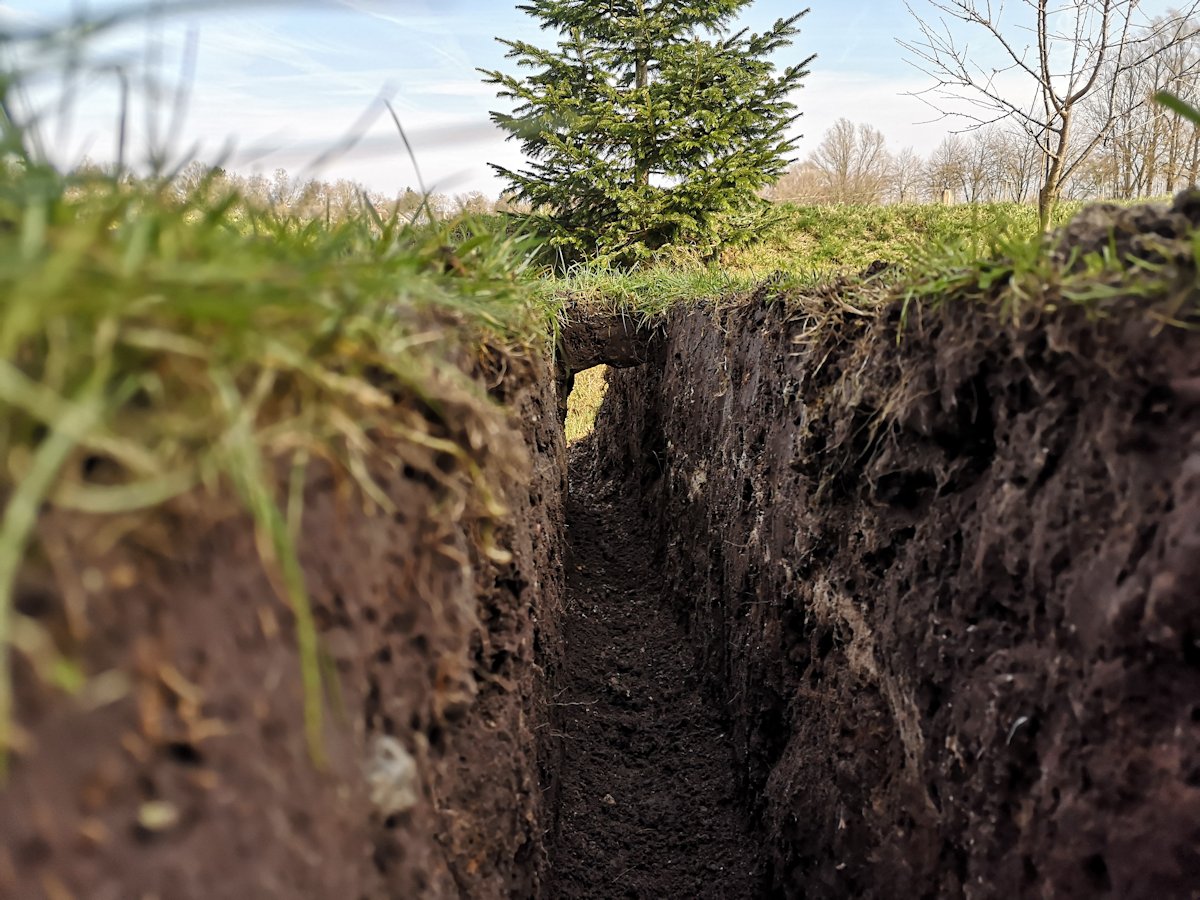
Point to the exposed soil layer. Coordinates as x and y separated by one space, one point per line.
947 587
181 769
647 796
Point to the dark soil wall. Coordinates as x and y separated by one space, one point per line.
947 589
183 772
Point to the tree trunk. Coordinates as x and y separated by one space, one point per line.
641 167
1052 186
1193 166
642 76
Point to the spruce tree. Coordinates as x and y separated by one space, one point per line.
649 125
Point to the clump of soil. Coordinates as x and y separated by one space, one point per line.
945 585
647 802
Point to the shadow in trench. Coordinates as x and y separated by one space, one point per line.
648 804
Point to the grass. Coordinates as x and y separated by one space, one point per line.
1019 275
811 245
645 295
804 246
846 239
584 402
198 343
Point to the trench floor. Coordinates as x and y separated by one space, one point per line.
647 801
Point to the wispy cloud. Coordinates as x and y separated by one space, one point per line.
882 102
423 18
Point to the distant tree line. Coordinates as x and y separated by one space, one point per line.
1134 147
311 198
852 164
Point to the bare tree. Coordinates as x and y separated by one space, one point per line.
1018 167
284 189
802 183
981 176
472 203
853 163
946 169
508 203
1190 164
1061 64
1151 150
908 170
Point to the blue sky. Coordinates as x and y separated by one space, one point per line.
289 78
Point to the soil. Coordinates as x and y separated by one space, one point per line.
946 588
647 799
181 769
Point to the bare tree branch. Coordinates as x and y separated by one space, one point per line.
1083 50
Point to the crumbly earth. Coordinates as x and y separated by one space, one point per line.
647 797
947 587
181 769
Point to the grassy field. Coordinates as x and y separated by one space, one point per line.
809 240
805 245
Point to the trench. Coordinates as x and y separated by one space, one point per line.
853 617
835 615
647 801
648 805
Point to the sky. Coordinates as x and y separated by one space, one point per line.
276 84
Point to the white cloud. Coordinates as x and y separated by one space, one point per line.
10 16
436 87
883 103
430 21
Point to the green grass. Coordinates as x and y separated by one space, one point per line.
847 239
1018 275
644 294
934 252
201 343
802 247
584 403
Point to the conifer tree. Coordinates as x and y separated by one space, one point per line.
650 124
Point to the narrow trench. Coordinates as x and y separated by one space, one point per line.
648 802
